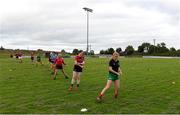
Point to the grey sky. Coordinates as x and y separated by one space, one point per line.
61 24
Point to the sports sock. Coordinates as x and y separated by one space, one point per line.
100 95
77 85
72 81
78 81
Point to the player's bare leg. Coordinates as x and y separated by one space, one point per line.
108 85
55 73
65 75
116 88
73 81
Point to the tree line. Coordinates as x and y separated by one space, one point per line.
145 49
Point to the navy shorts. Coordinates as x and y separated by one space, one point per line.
59 67
77 68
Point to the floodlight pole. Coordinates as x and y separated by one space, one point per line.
87 50
154 44
87 10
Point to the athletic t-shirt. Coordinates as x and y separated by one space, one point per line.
114 64
53 56
79 59
38 58
59 61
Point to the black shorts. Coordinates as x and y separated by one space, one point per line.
17 57
59 67
32 58
51 61
77 68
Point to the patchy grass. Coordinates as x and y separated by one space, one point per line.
146 87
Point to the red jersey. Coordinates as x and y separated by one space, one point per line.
59 61
20 54
79 59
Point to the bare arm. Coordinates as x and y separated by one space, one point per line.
81 65
120 71
63 62
111 70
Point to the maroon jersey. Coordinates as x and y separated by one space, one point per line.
59 61
79 59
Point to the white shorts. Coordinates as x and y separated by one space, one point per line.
78 73
20 57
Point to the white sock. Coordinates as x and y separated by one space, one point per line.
72 81
78 81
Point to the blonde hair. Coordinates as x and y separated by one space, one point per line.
81 53
115 53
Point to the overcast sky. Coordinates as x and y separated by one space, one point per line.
61 24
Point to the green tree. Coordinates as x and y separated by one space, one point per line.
1 48
144 46
39 51
161 48
102 52
152 49
140 49
63 52
106 52
129 50
110 51
172 49
163 44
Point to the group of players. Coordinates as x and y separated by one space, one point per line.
18 56
57 63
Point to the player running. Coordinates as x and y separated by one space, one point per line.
32 56
52 58
20 57
78 67
59 62
17 56
38 60
11 55
114 73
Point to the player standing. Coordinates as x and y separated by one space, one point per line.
32 56
78 67
59 62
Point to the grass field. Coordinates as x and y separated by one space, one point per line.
146 87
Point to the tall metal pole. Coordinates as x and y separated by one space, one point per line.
87 10
154 44
90 47
1 34
87 32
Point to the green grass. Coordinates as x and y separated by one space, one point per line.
146 87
